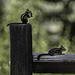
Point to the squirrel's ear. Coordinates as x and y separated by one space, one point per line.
27 9
61 46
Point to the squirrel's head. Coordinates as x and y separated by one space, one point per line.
61 47
28 13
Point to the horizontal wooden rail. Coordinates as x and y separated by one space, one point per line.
54 64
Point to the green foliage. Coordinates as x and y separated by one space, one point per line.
46 30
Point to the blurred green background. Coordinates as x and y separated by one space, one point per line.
52 25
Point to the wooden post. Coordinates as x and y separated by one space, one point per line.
21 49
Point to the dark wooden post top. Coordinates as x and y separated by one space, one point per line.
21 48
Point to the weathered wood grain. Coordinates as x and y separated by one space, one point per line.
54 64
21 49
21 55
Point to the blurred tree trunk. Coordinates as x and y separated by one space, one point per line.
72 31
1 15
65 12
1 10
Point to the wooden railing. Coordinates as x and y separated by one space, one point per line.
23 62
